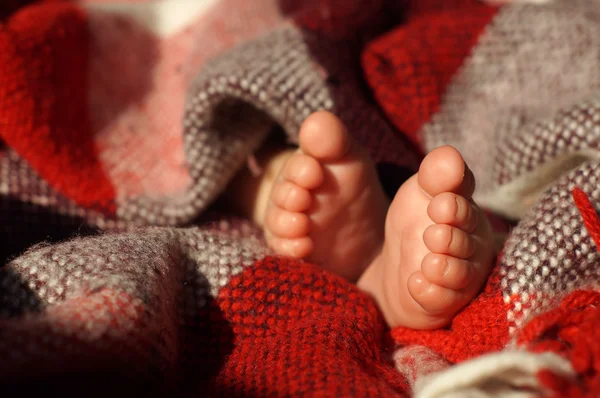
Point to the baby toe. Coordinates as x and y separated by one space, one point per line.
452 209
322 125
444 170
435 299
446 271
285 224
446 239
304 171
296 248
291 197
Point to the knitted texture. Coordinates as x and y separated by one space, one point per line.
113 121
525 116
118 152
536 110
121 123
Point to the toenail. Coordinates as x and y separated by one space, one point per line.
427 287
446 266
470 216
451 240
457 200
424 285
461 243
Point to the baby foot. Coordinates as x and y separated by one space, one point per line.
422 263
438 246
327 205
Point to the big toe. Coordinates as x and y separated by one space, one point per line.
444 170
324 137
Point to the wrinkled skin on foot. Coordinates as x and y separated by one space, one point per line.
438 246
327 205
422 257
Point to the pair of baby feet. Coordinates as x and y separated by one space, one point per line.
422 257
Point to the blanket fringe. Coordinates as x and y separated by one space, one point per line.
509 374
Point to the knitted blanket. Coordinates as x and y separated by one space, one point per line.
123 122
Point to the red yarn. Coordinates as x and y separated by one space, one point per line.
410 68
573 328
590 217
44 97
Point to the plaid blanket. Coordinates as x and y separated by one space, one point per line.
123 122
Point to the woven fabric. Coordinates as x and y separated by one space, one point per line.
128 132
515 90
122 122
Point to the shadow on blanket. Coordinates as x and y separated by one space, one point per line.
26 224
334 38
147 359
